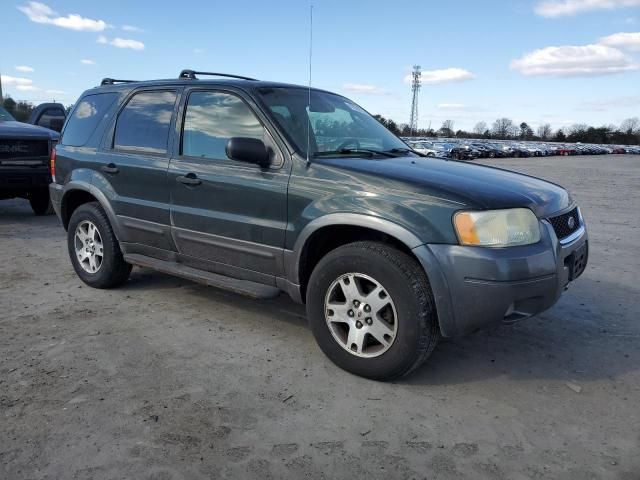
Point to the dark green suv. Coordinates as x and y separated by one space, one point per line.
263 187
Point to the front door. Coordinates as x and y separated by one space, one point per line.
227 216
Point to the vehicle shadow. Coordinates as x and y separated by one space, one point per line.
275 309
584 337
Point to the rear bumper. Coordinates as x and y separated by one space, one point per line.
477 287
55 194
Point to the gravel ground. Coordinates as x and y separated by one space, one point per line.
167 379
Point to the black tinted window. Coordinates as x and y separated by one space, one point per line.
85 118
52 118
212 118
144 123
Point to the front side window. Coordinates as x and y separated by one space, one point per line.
85 118
211 119
322 123
144 122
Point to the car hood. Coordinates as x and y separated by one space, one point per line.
477 186
18 130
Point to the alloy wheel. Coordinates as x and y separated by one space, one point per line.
88 246
361 315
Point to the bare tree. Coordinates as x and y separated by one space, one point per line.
480 128
447 128
544 131
503 128
630 126
578 129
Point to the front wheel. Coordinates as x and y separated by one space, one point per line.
371 310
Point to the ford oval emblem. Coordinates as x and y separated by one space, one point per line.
571 222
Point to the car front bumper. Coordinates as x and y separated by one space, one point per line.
16 181
477 287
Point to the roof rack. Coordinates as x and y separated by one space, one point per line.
112 81
191 75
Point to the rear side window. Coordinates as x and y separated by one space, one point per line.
85 118
211 119
52 118
143 125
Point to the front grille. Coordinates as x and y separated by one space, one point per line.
17 149
561 223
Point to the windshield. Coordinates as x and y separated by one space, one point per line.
5 116
337 124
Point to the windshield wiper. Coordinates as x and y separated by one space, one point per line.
406 150
354 151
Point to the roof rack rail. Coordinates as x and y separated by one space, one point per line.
191 75
112 81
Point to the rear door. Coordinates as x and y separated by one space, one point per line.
228 216
134 163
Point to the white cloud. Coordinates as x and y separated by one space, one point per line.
24 68
17 81
121 43
56 92
41 13
451 106
445 75
27 88
127 43
86 61
131 28
566 61
560 8
625 41
362 88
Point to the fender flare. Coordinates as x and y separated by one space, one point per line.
98 195
400 233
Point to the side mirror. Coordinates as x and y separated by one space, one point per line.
250 150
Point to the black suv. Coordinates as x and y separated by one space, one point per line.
264 187
24 162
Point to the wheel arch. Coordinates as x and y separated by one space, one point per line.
79 193
331 231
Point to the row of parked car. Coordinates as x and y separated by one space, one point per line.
472 149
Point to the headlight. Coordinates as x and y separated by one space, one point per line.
497 228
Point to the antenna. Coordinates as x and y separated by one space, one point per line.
309 99
415 88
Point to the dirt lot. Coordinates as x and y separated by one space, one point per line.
166 379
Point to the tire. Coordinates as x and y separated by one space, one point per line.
110 270
40 202
415 322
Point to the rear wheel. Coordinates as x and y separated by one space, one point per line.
94 249
371 310
40 202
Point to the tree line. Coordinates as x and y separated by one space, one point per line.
20 110
627 133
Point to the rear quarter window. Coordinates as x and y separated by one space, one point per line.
85 117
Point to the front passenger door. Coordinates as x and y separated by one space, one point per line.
230 217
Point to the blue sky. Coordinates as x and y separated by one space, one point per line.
556 61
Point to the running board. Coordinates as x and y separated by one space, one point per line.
243 287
